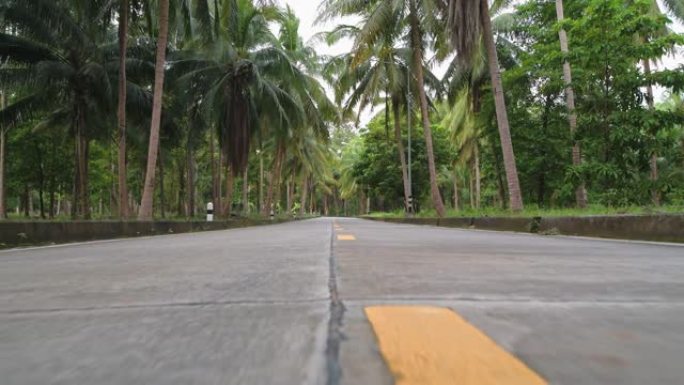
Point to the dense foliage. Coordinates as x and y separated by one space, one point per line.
618 130
254 120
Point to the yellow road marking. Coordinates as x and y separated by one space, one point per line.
346 237
436 346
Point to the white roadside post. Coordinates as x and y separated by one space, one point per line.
210 212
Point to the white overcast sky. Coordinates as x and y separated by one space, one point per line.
307 11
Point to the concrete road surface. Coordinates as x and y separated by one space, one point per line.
284 304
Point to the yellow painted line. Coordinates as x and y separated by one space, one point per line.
436 346
346 237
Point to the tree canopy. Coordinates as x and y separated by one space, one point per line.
554 105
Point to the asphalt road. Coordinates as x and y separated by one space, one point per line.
283 304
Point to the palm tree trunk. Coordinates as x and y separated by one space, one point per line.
26 199
230 188
288 194
312 196
73 207
245 191
471 191
51 204
41 181
478 179
82 164
275 177
191 180
304 195
401 151
261 180
212 161
581 191
218 205
362 202
416 42
181 189
514 193
146 204
653 163
3 199
162 201
123 43
456 203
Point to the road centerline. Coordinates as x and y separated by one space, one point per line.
425 345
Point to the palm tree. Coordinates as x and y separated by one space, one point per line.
581 191
3 208
309 163
470 23
146 203
314 110
248 80
121 112
464 82
461 119
369 73
61 68
418 18
416 33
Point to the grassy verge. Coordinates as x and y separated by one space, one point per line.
539 212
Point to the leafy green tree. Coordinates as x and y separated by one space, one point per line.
377 170
614 127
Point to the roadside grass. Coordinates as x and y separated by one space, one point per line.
532 211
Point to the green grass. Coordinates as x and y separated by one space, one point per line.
539 212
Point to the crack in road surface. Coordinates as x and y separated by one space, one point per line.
163 305
335 336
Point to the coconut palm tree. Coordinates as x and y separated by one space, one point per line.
470 23
3 200
366 75
248 80
417 25
580 191
461 118
121 111
146 203
418 18
306 91
63 66
464 82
